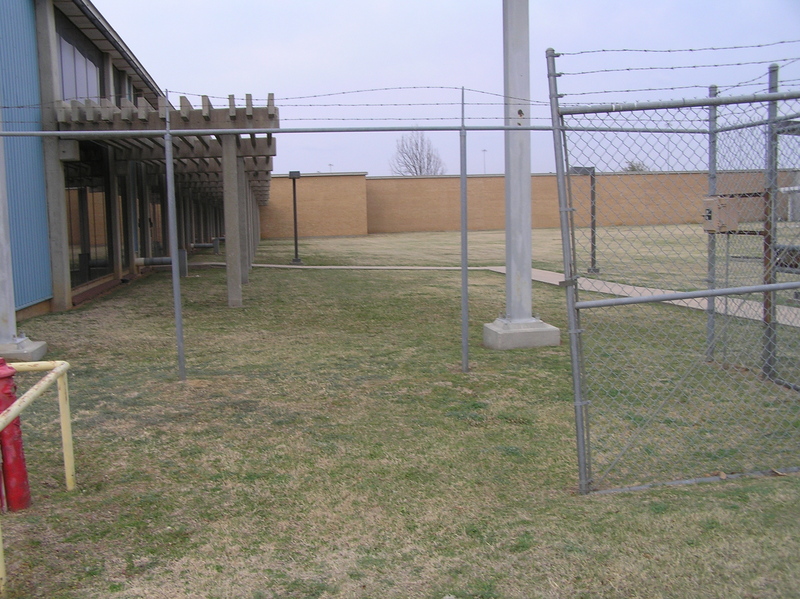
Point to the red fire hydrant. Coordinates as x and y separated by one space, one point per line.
15 473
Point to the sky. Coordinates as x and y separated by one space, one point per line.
418 54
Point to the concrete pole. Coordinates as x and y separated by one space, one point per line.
244 229
133 217
147 250
12 347
255 226
50 89
8 321
115 214
517 90
230 192
518 328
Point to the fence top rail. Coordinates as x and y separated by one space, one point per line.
685 103
684 295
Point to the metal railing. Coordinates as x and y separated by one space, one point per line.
57 373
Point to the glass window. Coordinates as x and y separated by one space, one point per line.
87 213
81 75
68 87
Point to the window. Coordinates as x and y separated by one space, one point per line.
81 75
87 211
123 87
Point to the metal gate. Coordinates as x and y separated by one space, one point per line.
681 231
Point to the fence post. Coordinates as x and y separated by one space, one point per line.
581 429
462 136
770 221
711 308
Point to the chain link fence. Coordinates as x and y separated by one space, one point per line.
683 241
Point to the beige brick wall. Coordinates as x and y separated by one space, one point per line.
641 198
432 203
354 204
327 205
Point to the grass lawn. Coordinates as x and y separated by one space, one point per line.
326 444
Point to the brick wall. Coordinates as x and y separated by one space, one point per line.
327 205
354 204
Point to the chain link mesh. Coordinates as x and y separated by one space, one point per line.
693 387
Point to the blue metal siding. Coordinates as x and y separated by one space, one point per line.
20 98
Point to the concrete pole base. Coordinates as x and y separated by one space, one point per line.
505 334
22 349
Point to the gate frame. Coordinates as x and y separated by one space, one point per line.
566 212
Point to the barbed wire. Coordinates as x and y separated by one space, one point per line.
666 51
753 81
506 100
379 89
634 90
392 104
681 67
372 90
758 80
722 88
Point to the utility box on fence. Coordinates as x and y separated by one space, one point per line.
720 215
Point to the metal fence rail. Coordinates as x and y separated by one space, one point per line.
685 326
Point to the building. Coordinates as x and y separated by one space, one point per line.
85 208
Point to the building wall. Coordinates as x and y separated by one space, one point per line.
327 205
27 202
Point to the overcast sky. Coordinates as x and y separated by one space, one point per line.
298 48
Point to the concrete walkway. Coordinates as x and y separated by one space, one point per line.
748 309
740 308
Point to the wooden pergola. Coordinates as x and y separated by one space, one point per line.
222 157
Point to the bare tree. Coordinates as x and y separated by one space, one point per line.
415 156
635 166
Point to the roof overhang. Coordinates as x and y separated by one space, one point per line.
84 15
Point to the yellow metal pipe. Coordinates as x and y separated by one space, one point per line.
35 366
66 431
27 398
58 372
